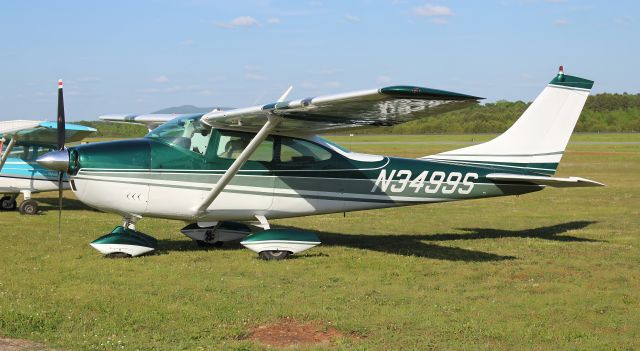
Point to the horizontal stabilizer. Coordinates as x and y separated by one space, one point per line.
571 182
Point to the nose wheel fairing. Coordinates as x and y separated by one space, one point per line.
124 242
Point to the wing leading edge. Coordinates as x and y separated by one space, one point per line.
377 107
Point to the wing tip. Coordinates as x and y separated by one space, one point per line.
410 91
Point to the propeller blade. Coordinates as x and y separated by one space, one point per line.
61 122
61 139
60 175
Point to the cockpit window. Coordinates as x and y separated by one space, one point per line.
188 133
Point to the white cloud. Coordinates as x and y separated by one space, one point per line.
206 92
351 18
439 14
160 79
188 42
273 20
332 84
561 22
430 10
242 21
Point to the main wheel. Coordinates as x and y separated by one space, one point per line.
209 245
274 255
117 255
6 204
29 207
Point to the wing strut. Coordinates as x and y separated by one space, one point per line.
272 122
5 155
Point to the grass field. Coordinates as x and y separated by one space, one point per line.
553 270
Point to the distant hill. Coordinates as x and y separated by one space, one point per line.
188 109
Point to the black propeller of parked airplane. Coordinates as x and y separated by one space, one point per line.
60 147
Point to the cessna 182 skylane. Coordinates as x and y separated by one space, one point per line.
21 142
266 162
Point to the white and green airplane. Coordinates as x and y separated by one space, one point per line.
226 173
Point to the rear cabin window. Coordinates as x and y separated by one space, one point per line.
232 144
298 150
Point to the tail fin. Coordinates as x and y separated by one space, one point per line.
536 141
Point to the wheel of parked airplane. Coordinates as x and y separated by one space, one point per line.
29 207
207 244
273 255
6 204
117 255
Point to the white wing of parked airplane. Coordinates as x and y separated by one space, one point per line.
376 107
151 121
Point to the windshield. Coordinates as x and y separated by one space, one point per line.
186 132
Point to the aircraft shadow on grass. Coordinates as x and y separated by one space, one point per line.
414 244
51 204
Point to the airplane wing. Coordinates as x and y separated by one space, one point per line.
377 107
41 133
151 121
555 182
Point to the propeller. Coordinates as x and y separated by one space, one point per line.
60 144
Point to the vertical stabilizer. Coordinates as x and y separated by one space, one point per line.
536 141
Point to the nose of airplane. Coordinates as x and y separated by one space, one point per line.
55 160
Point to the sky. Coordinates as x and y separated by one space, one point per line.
142 56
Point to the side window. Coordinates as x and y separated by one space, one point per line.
232 144
297 150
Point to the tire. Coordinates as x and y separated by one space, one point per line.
117 255
273 255
208 245
29 207
6 204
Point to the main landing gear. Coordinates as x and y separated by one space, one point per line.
269 244
27 207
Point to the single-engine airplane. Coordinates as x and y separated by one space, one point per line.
21 142
265 162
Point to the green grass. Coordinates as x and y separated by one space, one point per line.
556 269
